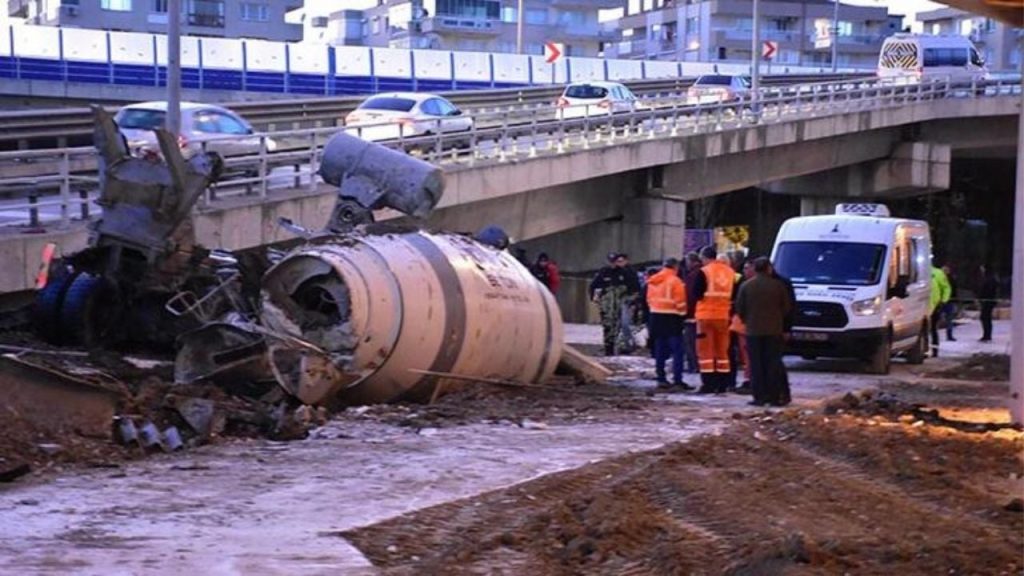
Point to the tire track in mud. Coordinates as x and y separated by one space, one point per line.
745 502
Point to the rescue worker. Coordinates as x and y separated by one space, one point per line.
713 293
611 288
666 298
950 309
940 294
988 292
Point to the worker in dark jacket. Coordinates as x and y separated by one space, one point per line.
988 291
690 326
763 305
611 289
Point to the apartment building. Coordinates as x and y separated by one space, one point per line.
997 42
264 19
721 30
475 25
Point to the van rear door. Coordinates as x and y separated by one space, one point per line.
898 58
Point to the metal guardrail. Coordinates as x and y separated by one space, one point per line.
58 127
519 134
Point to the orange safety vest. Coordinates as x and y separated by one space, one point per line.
666 293
717 299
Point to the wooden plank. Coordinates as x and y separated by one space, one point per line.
583 366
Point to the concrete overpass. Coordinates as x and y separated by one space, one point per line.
582 195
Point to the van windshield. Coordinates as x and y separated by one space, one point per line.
834 263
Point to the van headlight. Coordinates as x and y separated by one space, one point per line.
868 307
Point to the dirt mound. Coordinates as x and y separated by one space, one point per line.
791 493
979 367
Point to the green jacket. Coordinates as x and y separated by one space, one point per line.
941 289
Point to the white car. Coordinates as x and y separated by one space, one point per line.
715 88
583 99
218 129
405 114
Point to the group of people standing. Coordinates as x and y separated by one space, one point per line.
707 317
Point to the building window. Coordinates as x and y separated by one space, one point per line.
160 6
209 13
537 17
116 5
482 9
844 28
69 2
255 12
692 25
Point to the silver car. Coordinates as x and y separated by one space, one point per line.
199 123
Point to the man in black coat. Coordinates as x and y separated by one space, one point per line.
763 304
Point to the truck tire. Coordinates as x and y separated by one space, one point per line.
919 352
89 311
46 308
879 362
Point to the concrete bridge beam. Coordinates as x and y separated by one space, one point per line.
914 168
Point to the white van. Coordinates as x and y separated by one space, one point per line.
862 283
910 58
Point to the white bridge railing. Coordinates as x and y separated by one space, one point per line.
60 185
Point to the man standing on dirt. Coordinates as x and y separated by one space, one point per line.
690 326
763 305
713 293
940 295
611 288
666 297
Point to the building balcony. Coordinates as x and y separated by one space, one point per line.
737 37
591 4
206 20
463 26
18 8
595 34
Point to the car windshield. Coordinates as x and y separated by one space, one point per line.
836 263
140 118
388 103
714 80
586 91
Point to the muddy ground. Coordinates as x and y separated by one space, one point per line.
864 486
917 473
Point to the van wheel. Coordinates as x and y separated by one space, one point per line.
919 352
879 362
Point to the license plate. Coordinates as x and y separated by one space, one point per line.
810 336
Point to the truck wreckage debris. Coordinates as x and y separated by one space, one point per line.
360 313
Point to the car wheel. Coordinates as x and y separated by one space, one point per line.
919 352
880 361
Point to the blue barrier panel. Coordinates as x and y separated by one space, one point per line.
7 67
351 85
264 81
386 84
39 69
474 85
93 72
433 85
306 83
220 79
134 75
189 77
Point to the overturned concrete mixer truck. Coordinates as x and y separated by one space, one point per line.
359 313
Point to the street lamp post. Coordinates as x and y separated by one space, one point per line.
519 29
172 121
755 51
835 36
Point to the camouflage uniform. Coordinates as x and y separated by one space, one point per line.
614 288
611 302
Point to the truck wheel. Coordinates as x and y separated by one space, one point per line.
46 309
879 362
89 311
919 352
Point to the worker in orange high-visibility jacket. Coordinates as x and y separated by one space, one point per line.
666 298
713 292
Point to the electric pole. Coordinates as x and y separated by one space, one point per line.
173 119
